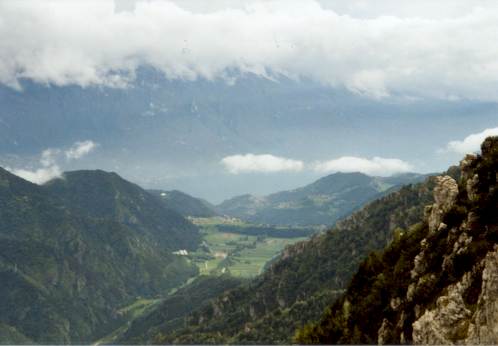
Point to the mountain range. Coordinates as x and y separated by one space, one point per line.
322 202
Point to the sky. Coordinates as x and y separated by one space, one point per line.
385 50
369 49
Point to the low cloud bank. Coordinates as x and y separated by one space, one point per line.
267 163
377 166
90 43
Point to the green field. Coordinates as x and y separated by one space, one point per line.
241 255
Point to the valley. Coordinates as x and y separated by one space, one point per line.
236 250
167 242
248 172
157 275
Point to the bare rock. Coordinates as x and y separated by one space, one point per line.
451 322
448 322
384 333
484 327
445 194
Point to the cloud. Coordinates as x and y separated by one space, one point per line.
377 166
471 143
38 176
251 163
80 149
266 163
49 161
372 53
49 170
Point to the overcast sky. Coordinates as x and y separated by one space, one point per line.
421 49
386 50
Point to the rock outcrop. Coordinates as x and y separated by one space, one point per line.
452 322
466 312
445 194
437 282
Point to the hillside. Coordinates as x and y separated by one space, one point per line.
320 203
76 250
307 277
185 204
98 194
169 315
436 283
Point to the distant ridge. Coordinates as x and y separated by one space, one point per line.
185 204
320 203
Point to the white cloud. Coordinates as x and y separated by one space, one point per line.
377 166
375 53
266 163
471 143
49 157
38 176
80 149
49 161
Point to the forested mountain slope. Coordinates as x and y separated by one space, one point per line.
304 279
170 314
74 251
99 194
435 284
185 204
321 203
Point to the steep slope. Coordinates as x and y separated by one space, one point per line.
68 260
99 194
304 279
185 204
320 203
435 284
169 315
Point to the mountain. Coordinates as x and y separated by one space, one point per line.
185 204
304 279
437 282
76 250
99 194
322 202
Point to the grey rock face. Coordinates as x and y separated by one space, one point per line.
452 322
484 326
445 194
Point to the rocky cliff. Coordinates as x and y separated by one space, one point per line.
437 283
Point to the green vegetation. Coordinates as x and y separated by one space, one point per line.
138 307
241 249
75 251
10 335
307 276
94 257
170 313
386 276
